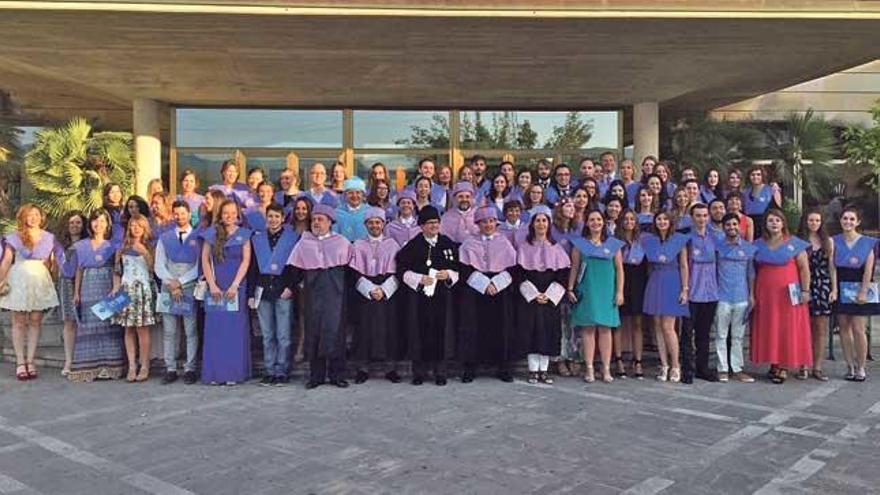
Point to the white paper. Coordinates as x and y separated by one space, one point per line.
429 289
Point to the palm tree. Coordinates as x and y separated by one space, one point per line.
69 166
802 152
705 143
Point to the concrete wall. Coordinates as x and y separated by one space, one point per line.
844 97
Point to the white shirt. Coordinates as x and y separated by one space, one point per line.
168 270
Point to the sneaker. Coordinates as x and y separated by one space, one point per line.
267 381
723 377
189 377
170 377
743 377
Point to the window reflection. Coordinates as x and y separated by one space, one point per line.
400 129
538 130
254 128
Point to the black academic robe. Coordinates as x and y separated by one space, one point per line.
376 338
429 322
486 323
538 326
324 302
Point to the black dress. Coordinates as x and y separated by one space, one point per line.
485 323
538 326
376 338
635 277
820 282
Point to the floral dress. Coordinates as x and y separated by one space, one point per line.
820 282
138 282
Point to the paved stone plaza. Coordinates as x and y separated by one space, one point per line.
487 437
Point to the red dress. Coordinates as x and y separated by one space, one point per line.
780 332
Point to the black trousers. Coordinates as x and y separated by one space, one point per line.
695 334
423 368
322 369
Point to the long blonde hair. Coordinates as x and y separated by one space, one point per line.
128 240
20 218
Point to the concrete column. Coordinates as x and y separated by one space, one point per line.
646 131
147 143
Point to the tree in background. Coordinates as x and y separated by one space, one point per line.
862 148
802 152
10 151
69 166
436 135
526 138
705 143
574 134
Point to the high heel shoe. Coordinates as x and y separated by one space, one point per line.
132 374
621 368
638 373
32 371
589 375
21 373
663 375
675 375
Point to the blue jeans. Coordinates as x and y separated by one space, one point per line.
730 318
169 330
276 318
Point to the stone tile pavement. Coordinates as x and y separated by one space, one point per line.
628 437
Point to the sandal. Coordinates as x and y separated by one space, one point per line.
772 372
780 377
662 375
533 378
850 375
590 375
820 375
144 374
21 373
638 373
860 376
562 368
32 371
621 369
132 374
543 377
607 376
802 373
675 375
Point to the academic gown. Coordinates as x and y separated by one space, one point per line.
486 324
429 321
376 336
321 265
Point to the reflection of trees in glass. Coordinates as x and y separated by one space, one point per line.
504 131
571 135
436 135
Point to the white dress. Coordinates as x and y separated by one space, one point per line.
30 284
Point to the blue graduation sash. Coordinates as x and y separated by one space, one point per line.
645 218
606 250
702 248
757 205
86 257
255 219
855 257
666 252
272 261
187 252
741 251
782 254
633 254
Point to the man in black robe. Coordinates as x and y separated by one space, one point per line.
320 260
428 266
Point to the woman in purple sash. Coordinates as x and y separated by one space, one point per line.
255 216
160 219
226 256
759 197
28 256
635 277
854 270
73 229
230 187
189 183
115 207
563 228
97 351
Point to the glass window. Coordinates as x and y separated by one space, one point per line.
205 165
274 165
402 169
400 129
252 128
539 130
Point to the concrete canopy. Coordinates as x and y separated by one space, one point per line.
59 59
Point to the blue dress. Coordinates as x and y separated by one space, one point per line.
227 353
664 278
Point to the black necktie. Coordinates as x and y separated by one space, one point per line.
180 236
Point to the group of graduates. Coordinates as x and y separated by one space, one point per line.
537 264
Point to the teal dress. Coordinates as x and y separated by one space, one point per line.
597 286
